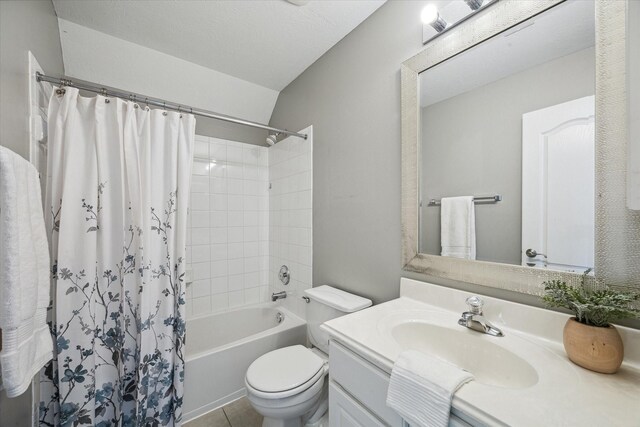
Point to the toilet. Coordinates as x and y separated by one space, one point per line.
288 386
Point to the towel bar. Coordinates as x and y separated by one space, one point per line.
481 199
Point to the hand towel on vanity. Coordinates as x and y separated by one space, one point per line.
458 227
421 388
26 343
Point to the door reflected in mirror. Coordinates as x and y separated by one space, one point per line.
507 146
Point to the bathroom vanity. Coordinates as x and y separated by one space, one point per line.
523 378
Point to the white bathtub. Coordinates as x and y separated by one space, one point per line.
220 348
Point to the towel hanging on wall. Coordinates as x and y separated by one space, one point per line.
458 227
26 343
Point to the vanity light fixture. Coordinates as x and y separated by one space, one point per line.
430 16
433 23
474 4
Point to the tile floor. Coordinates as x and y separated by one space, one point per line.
236 414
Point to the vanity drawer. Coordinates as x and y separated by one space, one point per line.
365 382
346 412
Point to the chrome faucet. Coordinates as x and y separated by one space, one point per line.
278 295
473 319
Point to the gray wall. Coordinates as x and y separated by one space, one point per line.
24 26
351 96
472 145
230 131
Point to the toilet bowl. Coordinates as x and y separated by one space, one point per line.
288 386
288 397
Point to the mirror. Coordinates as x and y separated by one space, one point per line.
506 146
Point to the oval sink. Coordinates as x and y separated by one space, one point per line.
491 364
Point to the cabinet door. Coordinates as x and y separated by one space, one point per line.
344 411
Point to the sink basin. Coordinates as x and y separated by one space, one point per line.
491 364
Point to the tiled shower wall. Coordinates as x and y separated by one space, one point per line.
228 227
290 217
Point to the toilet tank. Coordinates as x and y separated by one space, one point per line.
326 303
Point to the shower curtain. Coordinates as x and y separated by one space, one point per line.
116 212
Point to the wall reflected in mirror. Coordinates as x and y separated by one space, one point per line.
513 117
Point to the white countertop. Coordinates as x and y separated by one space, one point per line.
564 394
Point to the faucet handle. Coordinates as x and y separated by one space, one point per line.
475 304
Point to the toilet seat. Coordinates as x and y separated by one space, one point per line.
284 372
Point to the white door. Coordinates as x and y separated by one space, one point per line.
558 186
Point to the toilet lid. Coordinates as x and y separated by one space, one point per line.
283 369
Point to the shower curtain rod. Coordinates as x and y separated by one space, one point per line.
64 81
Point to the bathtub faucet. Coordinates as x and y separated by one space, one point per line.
278 295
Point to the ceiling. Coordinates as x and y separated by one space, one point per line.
267 42
562 30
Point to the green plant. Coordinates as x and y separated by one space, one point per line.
598 307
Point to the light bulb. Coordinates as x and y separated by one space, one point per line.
429 14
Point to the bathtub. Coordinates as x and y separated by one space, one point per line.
220 347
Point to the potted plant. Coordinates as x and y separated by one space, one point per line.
589 338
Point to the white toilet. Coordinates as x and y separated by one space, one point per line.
288 386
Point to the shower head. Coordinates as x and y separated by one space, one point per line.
272 139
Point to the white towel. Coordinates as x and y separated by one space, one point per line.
458 227
24 275
421 388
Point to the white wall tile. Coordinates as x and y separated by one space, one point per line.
252 295
219 285
200 202
228 226
235 203
217 169
200 288
218 185
201 147
199 184
235 218
199 236
236 299
219 302
234 154
219 235
218 202
251 279
235 234
251 249
218 218
200 167
218 151
290 237
235 186
218 252
200 270
235 250
201 305
236 282
236 266
234 170
219 268
200 253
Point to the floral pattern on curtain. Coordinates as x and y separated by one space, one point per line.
117 196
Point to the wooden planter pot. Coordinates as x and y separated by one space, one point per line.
598 349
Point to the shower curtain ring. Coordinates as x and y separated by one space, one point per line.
180 110
164 107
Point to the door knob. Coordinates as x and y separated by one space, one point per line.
532 253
